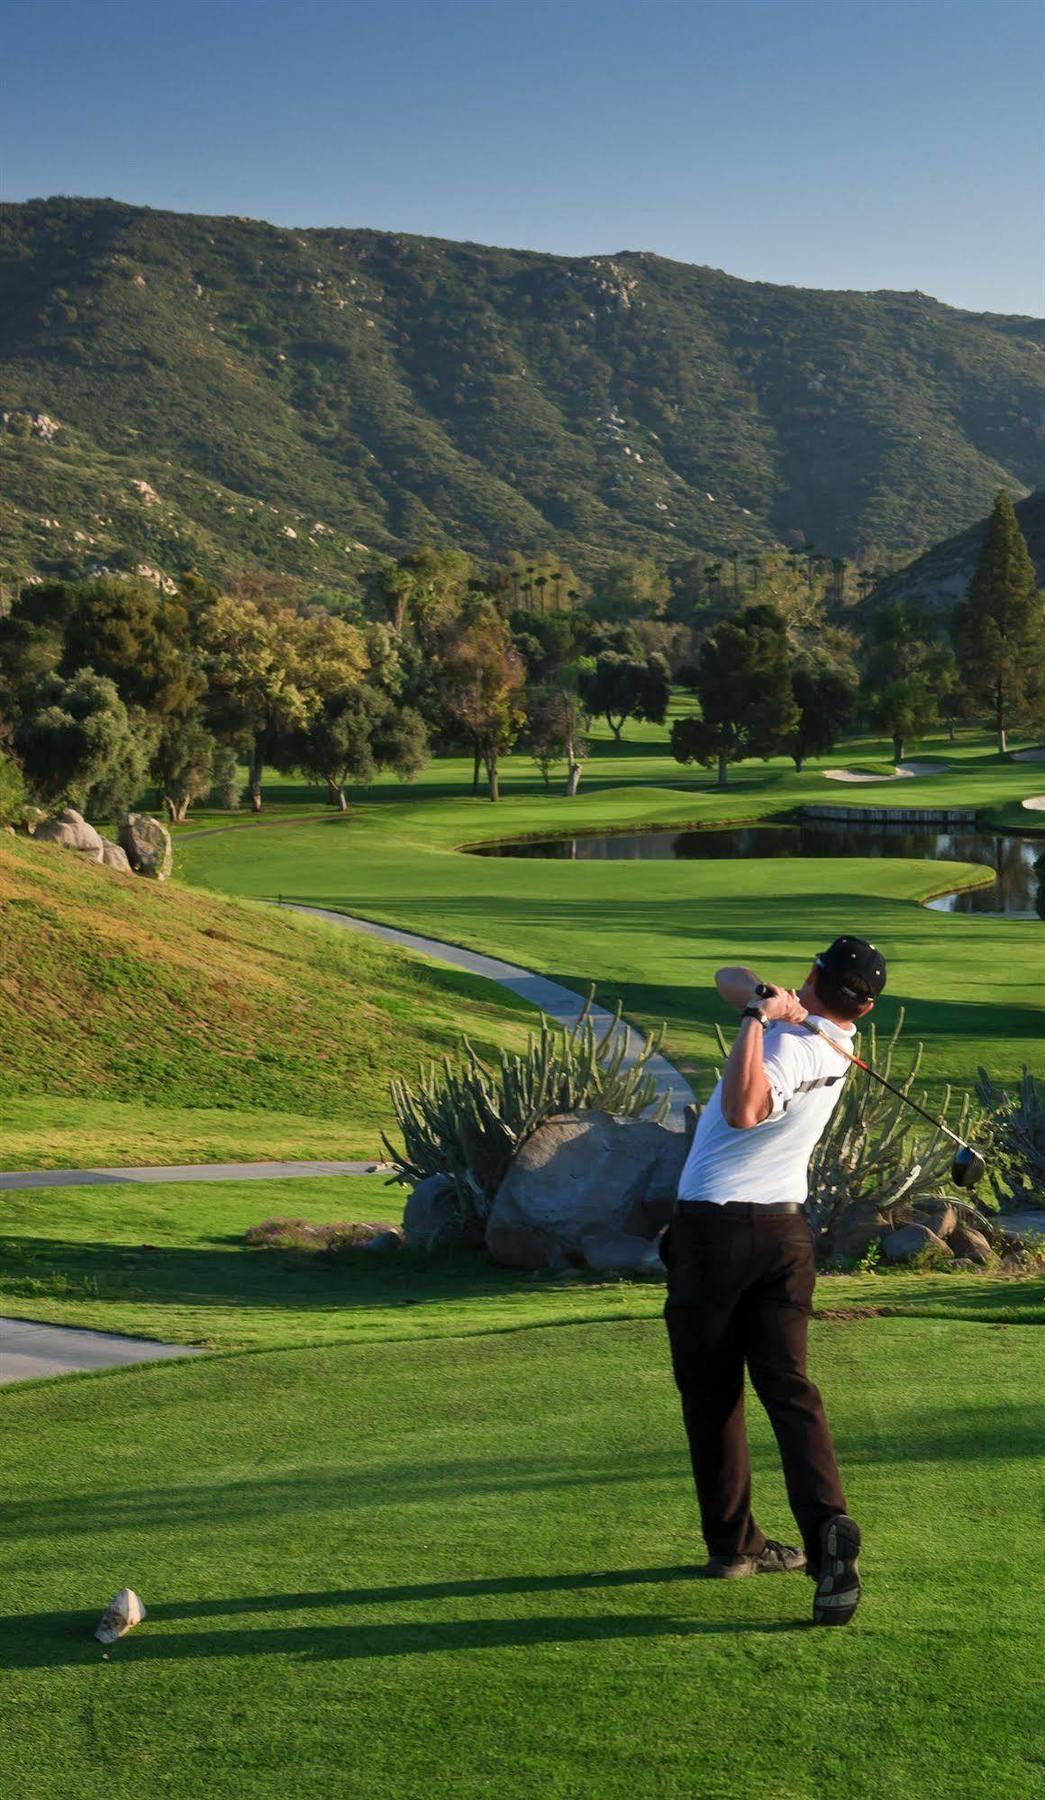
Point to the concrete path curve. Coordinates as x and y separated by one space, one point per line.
29 1351
262 1171
559 1003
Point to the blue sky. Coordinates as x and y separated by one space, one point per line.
828 143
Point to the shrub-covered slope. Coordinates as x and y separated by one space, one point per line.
219 392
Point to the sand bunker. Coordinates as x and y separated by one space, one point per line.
907 771
1028 755
1036 803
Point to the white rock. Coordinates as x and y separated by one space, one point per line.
123 1613
70 831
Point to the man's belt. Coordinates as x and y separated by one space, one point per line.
740 1209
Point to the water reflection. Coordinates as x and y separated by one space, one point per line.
1019 863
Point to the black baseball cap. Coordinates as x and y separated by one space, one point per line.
852 959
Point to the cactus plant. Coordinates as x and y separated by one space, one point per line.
466 1121
1016 1130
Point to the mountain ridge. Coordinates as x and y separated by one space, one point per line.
300 400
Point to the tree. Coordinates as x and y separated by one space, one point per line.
826 699
12 790
226 785
268 672
903 675
632 587
78 745
423 590
557 733
355 732
122 627
624 687
999 629
183 765
481 682
742 679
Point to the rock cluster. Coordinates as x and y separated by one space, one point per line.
936 1230
144 847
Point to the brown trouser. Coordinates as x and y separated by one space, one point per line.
740 1288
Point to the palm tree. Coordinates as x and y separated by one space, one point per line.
540 584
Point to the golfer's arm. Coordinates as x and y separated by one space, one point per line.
746 1097
737 986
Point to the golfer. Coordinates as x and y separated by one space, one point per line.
740 1266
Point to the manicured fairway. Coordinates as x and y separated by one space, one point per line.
465 1568
653 932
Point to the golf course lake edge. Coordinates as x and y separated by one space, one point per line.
1017 891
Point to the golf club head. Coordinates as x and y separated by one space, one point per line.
968 1167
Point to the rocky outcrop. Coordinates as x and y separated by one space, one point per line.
587 1190
70 830
147 846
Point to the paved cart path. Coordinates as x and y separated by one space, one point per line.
260 1171
560 1003
29 1351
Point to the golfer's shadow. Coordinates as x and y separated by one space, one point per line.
52 1639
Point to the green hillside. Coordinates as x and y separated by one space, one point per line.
217 393
145 1023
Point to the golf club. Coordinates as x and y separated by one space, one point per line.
967 1165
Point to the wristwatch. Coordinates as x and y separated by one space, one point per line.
755 1012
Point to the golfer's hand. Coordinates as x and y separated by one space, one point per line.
783 1003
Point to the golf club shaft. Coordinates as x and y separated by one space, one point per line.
867 1069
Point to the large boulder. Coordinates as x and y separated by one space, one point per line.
582 1185
913 1241
147 845
115 858
70 830
432 1218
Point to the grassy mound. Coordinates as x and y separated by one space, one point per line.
143 1022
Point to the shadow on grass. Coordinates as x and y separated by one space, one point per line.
295 1281
298 1282
55 1640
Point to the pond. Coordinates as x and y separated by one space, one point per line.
1018 888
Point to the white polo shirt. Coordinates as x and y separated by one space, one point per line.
770 1161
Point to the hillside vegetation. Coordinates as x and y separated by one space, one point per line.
152 1023
218 393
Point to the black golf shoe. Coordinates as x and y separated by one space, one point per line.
772 1559
838 1575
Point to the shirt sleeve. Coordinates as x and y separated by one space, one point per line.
788 1063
